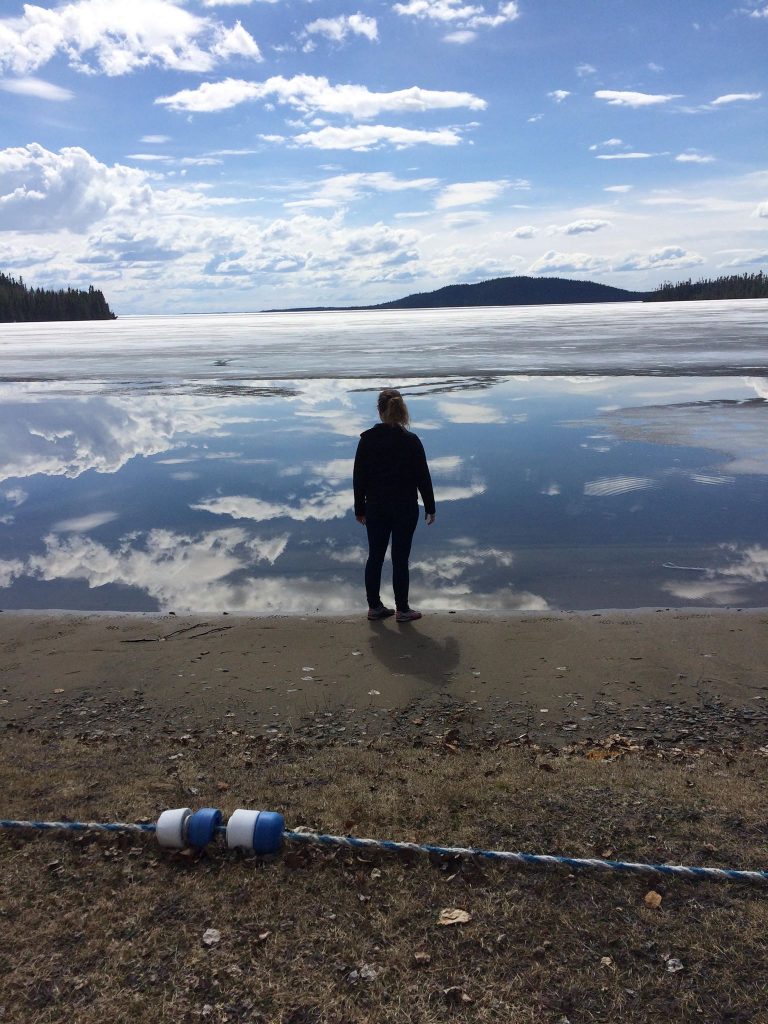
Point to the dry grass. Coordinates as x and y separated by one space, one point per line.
94 929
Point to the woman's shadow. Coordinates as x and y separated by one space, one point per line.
406 651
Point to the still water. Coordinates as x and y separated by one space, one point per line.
559 491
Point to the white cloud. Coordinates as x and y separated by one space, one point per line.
581 227
617 188
470 412
469 193
37 88
694 158
461 37
115 37
607 144
45 191
458 13
310 94
633 99
235 42
365 137
625 156
524 231
155 140
582 70
323 505
735 97
346 188
558 95
15 495
84 523
669 257
761 210
337 29
553 262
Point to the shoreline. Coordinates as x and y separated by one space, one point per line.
557 677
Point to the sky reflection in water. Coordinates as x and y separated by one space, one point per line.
553 492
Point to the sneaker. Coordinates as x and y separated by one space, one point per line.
380 613
407 616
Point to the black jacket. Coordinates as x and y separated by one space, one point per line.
390 466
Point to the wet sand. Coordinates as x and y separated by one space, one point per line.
665 674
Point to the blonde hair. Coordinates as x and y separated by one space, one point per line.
392 409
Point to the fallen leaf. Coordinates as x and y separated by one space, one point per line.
211 937
652 899
59 689
674 965
222 786
453 916
455 994
421 958
606 961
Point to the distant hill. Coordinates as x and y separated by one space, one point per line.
502 291
18 303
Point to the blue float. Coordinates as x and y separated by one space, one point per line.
268 832
201 827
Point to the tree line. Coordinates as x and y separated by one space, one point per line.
734 286
19 303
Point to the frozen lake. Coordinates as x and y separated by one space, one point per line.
667 338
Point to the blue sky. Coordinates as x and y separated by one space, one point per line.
211 155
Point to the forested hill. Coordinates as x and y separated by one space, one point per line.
19 303
735 286
514 291
501 291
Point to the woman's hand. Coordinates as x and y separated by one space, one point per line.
360 519
430 518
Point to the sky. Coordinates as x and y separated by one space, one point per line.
191 156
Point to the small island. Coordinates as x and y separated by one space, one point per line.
20 304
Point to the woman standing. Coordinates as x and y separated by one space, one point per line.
390 467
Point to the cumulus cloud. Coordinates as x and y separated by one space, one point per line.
44 191
115 38
633 99
558 95
761 210
469 193
37 88
309 94
669 257
458 13
338 29
524 231
735 97
554 262
582 227
364 137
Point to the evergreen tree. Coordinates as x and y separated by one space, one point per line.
20 303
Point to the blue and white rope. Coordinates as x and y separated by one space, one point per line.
391 846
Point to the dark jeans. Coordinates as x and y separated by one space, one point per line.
398 523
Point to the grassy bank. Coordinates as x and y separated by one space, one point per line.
96 928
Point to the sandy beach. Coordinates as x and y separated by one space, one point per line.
664 673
